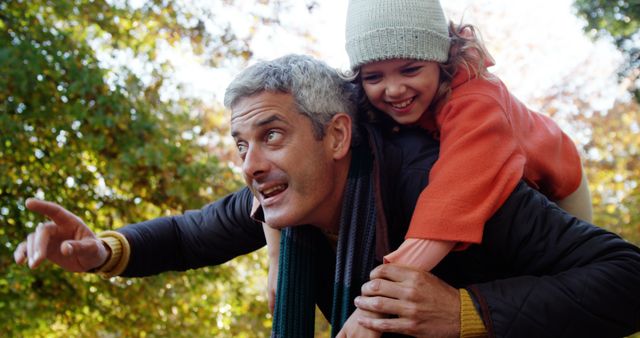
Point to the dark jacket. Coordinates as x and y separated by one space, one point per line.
538 273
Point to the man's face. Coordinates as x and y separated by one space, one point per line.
289 171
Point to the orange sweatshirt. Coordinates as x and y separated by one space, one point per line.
488 142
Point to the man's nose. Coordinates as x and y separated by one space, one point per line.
255 163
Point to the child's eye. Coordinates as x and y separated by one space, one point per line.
371 78
411 70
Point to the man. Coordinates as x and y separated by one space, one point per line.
538 272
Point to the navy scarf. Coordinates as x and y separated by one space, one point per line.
301 254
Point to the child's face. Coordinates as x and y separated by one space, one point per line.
402 88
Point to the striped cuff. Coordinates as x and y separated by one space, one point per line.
120 252
471 325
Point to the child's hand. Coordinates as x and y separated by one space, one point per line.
272 282
352 329
273 252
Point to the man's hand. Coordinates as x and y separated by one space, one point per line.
65 240
425 306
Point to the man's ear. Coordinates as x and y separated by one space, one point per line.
339 135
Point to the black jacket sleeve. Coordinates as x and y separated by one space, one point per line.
212 235
555 276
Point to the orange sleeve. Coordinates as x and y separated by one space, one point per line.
480 164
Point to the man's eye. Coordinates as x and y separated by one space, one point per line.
273 136
242 148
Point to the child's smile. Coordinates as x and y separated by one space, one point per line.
401 88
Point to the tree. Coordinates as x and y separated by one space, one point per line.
102 142
614 168
619 20
609 144
613 156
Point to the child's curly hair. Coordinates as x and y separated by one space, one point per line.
467 50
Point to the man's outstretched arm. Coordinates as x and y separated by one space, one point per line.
212 235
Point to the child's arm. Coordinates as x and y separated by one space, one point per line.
420 254
273 251
485 150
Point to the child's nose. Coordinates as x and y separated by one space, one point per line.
394 89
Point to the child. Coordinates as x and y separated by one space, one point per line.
420 71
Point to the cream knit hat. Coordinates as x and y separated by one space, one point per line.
387 29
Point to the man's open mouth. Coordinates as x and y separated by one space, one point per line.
272 191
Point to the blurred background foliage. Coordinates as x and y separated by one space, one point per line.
87 120
620 22
613 161
103 143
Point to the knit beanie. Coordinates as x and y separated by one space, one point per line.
386 29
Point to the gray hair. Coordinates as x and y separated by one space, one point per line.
317 89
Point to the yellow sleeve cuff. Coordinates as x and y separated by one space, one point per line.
471 325
120 252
